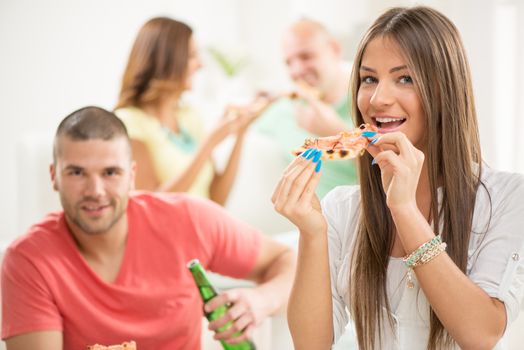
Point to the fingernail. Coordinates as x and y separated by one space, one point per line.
373 162
372 142
319 165
369 133
312 154
317 156
306 152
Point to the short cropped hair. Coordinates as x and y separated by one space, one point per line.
90 123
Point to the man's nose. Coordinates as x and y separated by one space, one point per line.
94 186
296 69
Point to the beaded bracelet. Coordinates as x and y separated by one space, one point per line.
412 258
430 255
424 254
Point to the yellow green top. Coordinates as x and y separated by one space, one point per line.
170 152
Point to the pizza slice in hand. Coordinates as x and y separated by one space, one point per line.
345 145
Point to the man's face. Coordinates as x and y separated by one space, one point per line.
93 179
313 58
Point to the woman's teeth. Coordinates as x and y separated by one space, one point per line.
387 120
381 121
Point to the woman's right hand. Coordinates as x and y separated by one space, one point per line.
294 196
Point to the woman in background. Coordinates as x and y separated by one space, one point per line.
169 145
427 253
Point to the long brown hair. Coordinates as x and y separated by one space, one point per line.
435 55
157 63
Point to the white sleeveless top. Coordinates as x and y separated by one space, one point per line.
495 260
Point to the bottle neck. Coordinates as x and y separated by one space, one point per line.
206 289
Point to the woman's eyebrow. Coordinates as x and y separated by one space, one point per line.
392 70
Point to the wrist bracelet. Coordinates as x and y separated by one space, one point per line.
412 258
424 254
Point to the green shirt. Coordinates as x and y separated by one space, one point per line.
278 122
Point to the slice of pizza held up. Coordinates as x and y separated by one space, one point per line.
131 345
345 145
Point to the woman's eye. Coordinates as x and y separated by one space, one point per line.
368 80
406 79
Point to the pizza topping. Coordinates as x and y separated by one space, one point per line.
345 145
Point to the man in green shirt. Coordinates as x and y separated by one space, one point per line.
314 62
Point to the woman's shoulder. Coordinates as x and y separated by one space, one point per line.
500 194
134 114
137 121
496 177
502 183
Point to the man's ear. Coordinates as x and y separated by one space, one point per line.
52 172
133 176
337 48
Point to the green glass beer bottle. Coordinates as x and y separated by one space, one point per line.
208 292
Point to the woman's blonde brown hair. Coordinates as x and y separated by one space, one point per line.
157 63
436 57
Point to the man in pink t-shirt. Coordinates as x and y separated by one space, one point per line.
111 267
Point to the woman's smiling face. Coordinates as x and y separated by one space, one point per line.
387 96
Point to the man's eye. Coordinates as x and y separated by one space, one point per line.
368 80
76 172
406 79
112 172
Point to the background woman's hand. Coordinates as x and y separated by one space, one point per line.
294 196
400 165
234 121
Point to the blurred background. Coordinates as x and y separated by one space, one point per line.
59 55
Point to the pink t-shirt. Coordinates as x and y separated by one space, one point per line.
47 284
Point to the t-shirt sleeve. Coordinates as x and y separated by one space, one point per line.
497 262
232 245
27 305
331 208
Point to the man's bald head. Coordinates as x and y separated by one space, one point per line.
308 29
311 54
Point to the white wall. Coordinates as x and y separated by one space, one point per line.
59 55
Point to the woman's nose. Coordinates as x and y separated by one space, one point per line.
382 96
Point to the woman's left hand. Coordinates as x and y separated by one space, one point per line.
400 165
